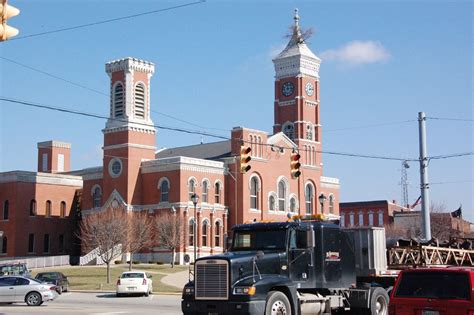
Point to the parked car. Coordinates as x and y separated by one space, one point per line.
22 289
134 282
15 269
433 291
57 278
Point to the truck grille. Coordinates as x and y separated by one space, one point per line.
211 279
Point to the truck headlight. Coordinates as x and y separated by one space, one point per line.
245 290
189 290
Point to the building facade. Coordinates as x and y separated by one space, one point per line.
136 177
368 213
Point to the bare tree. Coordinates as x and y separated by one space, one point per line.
442 223
105 232
139 236
169 233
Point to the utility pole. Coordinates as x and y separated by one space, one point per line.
424 186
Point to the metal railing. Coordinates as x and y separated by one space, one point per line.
39 262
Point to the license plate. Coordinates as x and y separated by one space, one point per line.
134 288
212 314
429 312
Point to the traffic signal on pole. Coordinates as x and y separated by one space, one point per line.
295 165
245 159
7 11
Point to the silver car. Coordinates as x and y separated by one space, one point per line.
22 289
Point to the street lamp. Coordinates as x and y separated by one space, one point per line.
195 199
322 199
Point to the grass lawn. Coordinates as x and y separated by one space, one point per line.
95 277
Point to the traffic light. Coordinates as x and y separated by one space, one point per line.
7 11
295 165
245 159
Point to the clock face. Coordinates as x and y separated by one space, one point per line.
309 88
287 88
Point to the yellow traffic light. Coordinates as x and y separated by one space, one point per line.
295 165
7 11
245 159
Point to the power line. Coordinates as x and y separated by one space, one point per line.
453 182
447 156
454 119
109 20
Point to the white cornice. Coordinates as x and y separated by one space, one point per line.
281 137
329 182
40 178
129 126
183 163
129 64
54 144
129 145
287 103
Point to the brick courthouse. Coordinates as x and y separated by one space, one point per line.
35 207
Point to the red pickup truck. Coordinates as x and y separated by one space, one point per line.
433 291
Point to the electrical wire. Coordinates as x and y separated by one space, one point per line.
447 156
454 119
109 20
453 182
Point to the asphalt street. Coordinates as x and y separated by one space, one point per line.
100 304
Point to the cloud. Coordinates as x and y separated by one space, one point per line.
357 53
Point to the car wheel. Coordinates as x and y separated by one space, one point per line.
33 299
66 288
277 303
147 293
118 295
379 302
60 290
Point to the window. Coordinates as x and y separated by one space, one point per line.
62 212
309 197
292 205
32 207
61 243
191 188
331 203
60 162
217 234
254 193
309 132
351 219
191 232
6 206
164 189
47 212
44 165
271 203
289 130
371 219
281 196
118 101
46 243
361 219
342 222
380 218
4 245
31 243
205 191
217 189
205 226
140 101
96 197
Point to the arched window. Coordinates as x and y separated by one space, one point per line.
271 203
4 245
205 191
191 188
48 209
140 101
254 193
118 101
32 207
309 132
205 226
281 196
331 204
6 206
289 130
309 197
62 210
292 205
96 197
191 233
217 189
217 234
164 189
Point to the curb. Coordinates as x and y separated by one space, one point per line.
113 292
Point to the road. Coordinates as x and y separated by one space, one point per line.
100 304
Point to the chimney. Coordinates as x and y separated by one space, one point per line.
54 156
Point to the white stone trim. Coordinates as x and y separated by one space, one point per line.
93 188
281 137
287 103
129 145
129 63
183 163
161 180
41 178
53 144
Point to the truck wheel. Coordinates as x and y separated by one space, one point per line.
379 302
277 304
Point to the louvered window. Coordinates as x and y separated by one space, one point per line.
140 101
118 101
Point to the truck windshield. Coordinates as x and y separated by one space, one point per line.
259 240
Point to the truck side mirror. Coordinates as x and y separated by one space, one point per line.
310 237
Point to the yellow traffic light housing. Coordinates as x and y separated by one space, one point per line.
7 11
245 158
295 165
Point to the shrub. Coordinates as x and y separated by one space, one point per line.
117 262
135 262
160 263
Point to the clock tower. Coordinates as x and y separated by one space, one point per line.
297 94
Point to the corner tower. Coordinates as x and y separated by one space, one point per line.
129 134
297 92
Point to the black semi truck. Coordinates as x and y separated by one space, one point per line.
296 267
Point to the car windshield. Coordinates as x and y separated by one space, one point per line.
133 275
48 276
438 285
259 240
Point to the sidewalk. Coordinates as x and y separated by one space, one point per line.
177 279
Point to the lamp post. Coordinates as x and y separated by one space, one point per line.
322 199
195 199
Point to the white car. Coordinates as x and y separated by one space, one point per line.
134 282
22 289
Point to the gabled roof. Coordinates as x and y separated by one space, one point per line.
209 151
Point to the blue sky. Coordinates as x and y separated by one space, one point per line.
383 62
